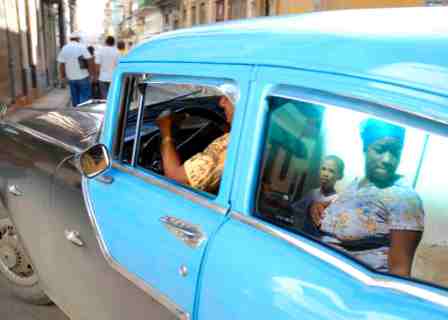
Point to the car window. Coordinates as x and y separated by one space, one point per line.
192 152
365 186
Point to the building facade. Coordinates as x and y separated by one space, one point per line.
187 13
31 34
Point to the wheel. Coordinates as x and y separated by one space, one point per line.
16 267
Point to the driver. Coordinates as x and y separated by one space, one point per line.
202 171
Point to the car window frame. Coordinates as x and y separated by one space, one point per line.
420 288
145 174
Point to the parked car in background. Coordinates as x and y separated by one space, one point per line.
112 237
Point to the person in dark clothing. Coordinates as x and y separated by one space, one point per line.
96 94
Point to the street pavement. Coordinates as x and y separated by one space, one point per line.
12 308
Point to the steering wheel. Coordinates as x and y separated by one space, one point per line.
150 155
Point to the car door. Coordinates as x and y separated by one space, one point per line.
156 231
274 269
43 195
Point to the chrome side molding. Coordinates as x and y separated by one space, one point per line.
358 274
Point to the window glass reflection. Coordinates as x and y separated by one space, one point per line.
359 184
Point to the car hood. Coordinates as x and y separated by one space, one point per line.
77 128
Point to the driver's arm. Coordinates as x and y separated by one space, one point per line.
172 165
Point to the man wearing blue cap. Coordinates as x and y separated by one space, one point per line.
378 219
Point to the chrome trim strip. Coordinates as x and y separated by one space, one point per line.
341 265
190 195
136 148
154 293
45 137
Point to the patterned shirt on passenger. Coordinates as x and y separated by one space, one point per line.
363 211
204 170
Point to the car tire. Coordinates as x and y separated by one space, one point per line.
16 269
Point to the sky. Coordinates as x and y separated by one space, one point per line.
90 18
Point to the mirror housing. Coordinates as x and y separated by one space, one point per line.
94 161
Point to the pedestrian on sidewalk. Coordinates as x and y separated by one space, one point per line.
106 60
76 66
96 92
121 46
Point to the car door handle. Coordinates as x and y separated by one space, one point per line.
190 234
105 179
13 189
74 237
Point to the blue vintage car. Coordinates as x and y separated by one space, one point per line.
276 168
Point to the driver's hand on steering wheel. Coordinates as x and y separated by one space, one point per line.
165 122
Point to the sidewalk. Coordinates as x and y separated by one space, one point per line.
56 98
12 308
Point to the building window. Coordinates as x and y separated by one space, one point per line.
237 9
202 13
194 17
219 10
437 2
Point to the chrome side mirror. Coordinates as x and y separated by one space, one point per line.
94 161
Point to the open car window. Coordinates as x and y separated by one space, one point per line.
356 184
198 121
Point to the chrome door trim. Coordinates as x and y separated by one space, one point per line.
154 293
188 233
341 265
190 195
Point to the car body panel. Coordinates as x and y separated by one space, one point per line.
329 90
52 202
74 129
266 277
153 254
364 43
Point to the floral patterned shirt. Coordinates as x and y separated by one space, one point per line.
204 170
363 211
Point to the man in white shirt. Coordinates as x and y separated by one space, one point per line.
105 61
76 66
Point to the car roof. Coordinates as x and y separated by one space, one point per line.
406 44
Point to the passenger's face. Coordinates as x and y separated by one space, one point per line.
328 174
382 160
227 105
